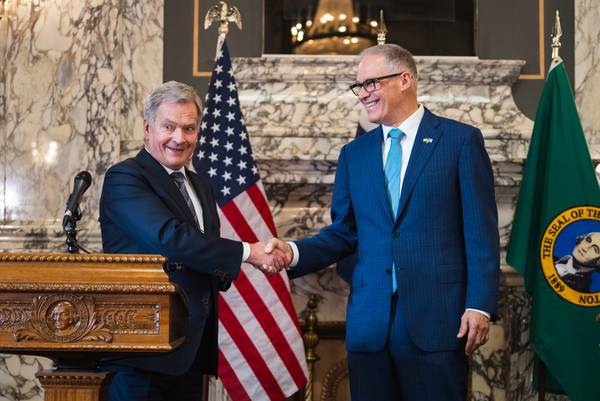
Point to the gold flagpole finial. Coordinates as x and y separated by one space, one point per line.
223 14
556 34
382 30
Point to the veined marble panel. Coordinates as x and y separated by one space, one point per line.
299 111
587 70
73 88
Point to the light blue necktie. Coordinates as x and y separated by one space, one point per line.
179 179
393 167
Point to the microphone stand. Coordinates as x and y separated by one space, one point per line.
70 230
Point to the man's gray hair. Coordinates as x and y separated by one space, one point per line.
396 57
171 92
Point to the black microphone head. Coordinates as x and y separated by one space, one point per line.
85 176
82 182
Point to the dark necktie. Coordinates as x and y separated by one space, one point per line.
180 181
393 167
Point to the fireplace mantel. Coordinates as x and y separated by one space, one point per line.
299 112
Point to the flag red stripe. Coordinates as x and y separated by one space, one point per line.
237 220
260 310
239 223
249 351
285 297
269 325
259 200
231 382
233 214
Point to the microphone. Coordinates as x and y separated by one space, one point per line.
83 180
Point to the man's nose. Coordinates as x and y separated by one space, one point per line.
177 134
363 93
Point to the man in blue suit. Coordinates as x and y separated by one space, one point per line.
144 209
425 285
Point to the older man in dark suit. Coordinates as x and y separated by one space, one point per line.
152 204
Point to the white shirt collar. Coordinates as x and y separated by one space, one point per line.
181 170
408 126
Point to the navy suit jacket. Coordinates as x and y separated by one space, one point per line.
444 243
143 212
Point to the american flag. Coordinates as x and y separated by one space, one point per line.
261 354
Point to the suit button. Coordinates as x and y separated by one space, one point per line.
388 271
205 301
395 234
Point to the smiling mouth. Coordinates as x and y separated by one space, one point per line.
371 104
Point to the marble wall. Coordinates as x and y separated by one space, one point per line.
74 78
73 75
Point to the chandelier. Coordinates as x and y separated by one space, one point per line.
335 28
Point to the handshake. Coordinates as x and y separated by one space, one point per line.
270 257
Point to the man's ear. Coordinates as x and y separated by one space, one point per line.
407 79
146 125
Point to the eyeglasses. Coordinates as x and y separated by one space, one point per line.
370 85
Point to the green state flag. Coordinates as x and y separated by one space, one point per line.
555 244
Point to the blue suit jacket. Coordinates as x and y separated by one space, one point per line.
445 242
143 212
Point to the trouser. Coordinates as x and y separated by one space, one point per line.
402 371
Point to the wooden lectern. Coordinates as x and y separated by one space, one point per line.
77 309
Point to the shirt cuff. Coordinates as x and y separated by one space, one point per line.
246 253
489 316
296 256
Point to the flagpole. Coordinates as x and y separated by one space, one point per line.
556 34
541 380
223 14
382 30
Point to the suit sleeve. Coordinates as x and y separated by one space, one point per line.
338 240
137 215
480 225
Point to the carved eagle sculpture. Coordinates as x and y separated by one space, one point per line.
223 14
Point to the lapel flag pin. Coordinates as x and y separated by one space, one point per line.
427 140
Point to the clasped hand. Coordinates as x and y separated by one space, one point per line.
270 257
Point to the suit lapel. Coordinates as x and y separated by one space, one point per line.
374 166
158 173
161 177
427 138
